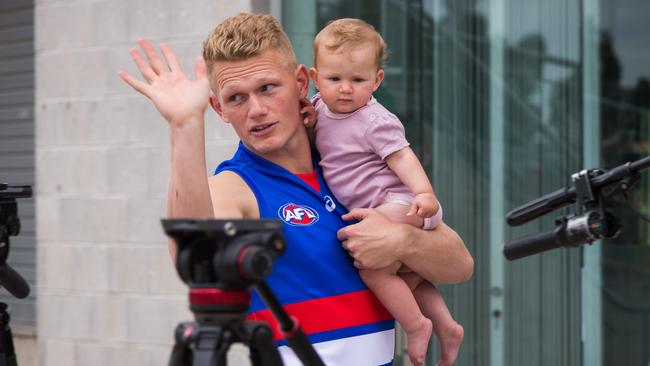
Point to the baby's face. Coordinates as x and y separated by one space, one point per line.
346 79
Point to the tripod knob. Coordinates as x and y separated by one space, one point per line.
13 225
255 263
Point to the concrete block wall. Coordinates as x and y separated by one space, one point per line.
107 291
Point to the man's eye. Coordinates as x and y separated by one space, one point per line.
267 87
235 98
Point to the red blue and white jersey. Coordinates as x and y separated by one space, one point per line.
315 279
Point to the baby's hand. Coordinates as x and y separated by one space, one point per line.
308 113
424 205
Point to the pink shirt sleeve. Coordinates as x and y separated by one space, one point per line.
386 135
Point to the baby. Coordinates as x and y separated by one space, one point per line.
367 162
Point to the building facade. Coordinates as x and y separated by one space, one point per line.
502 100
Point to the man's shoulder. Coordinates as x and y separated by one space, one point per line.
231 196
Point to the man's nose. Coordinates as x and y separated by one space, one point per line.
257 107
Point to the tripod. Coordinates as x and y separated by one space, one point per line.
206 341
7 354
220 324
221 260
9 278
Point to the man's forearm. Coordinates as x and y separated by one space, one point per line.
438 255
188 194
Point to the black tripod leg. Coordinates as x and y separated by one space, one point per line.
181 353
181 356
7 354
263 351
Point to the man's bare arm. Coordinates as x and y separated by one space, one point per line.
439 255
182 102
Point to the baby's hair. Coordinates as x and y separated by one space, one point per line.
347 33
246 35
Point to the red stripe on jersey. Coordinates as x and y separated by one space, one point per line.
311 179
330 313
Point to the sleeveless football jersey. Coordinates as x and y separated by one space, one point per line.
315 279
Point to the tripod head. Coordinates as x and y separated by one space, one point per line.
220 260
596 191
10 226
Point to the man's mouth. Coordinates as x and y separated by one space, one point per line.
262 127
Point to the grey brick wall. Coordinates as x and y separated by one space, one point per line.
107 292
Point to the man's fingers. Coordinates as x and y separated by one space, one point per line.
144 67
200 70
156 63
342 235
356 214
136 84
171 59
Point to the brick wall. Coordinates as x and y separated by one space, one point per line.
107 292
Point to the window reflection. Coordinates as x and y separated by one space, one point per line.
625 121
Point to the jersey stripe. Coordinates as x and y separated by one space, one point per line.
330 313
369 350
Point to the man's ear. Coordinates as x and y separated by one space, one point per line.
214 103
378 79
302 77
313 74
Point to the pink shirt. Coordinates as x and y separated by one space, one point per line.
353 147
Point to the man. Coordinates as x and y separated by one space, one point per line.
257 87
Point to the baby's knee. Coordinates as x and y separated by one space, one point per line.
412 279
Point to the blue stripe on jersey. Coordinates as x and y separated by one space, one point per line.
347 332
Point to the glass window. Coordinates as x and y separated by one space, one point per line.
625 129
495 96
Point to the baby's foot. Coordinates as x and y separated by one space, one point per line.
418 341
450 340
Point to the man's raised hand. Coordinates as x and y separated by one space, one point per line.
177 98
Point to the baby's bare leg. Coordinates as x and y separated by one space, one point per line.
450 334
397 297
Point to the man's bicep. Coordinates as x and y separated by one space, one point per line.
231 197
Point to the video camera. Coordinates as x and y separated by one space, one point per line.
596 190
221 260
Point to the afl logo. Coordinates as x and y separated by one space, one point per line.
298 215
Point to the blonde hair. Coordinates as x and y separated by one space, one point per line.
347 33
246 35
